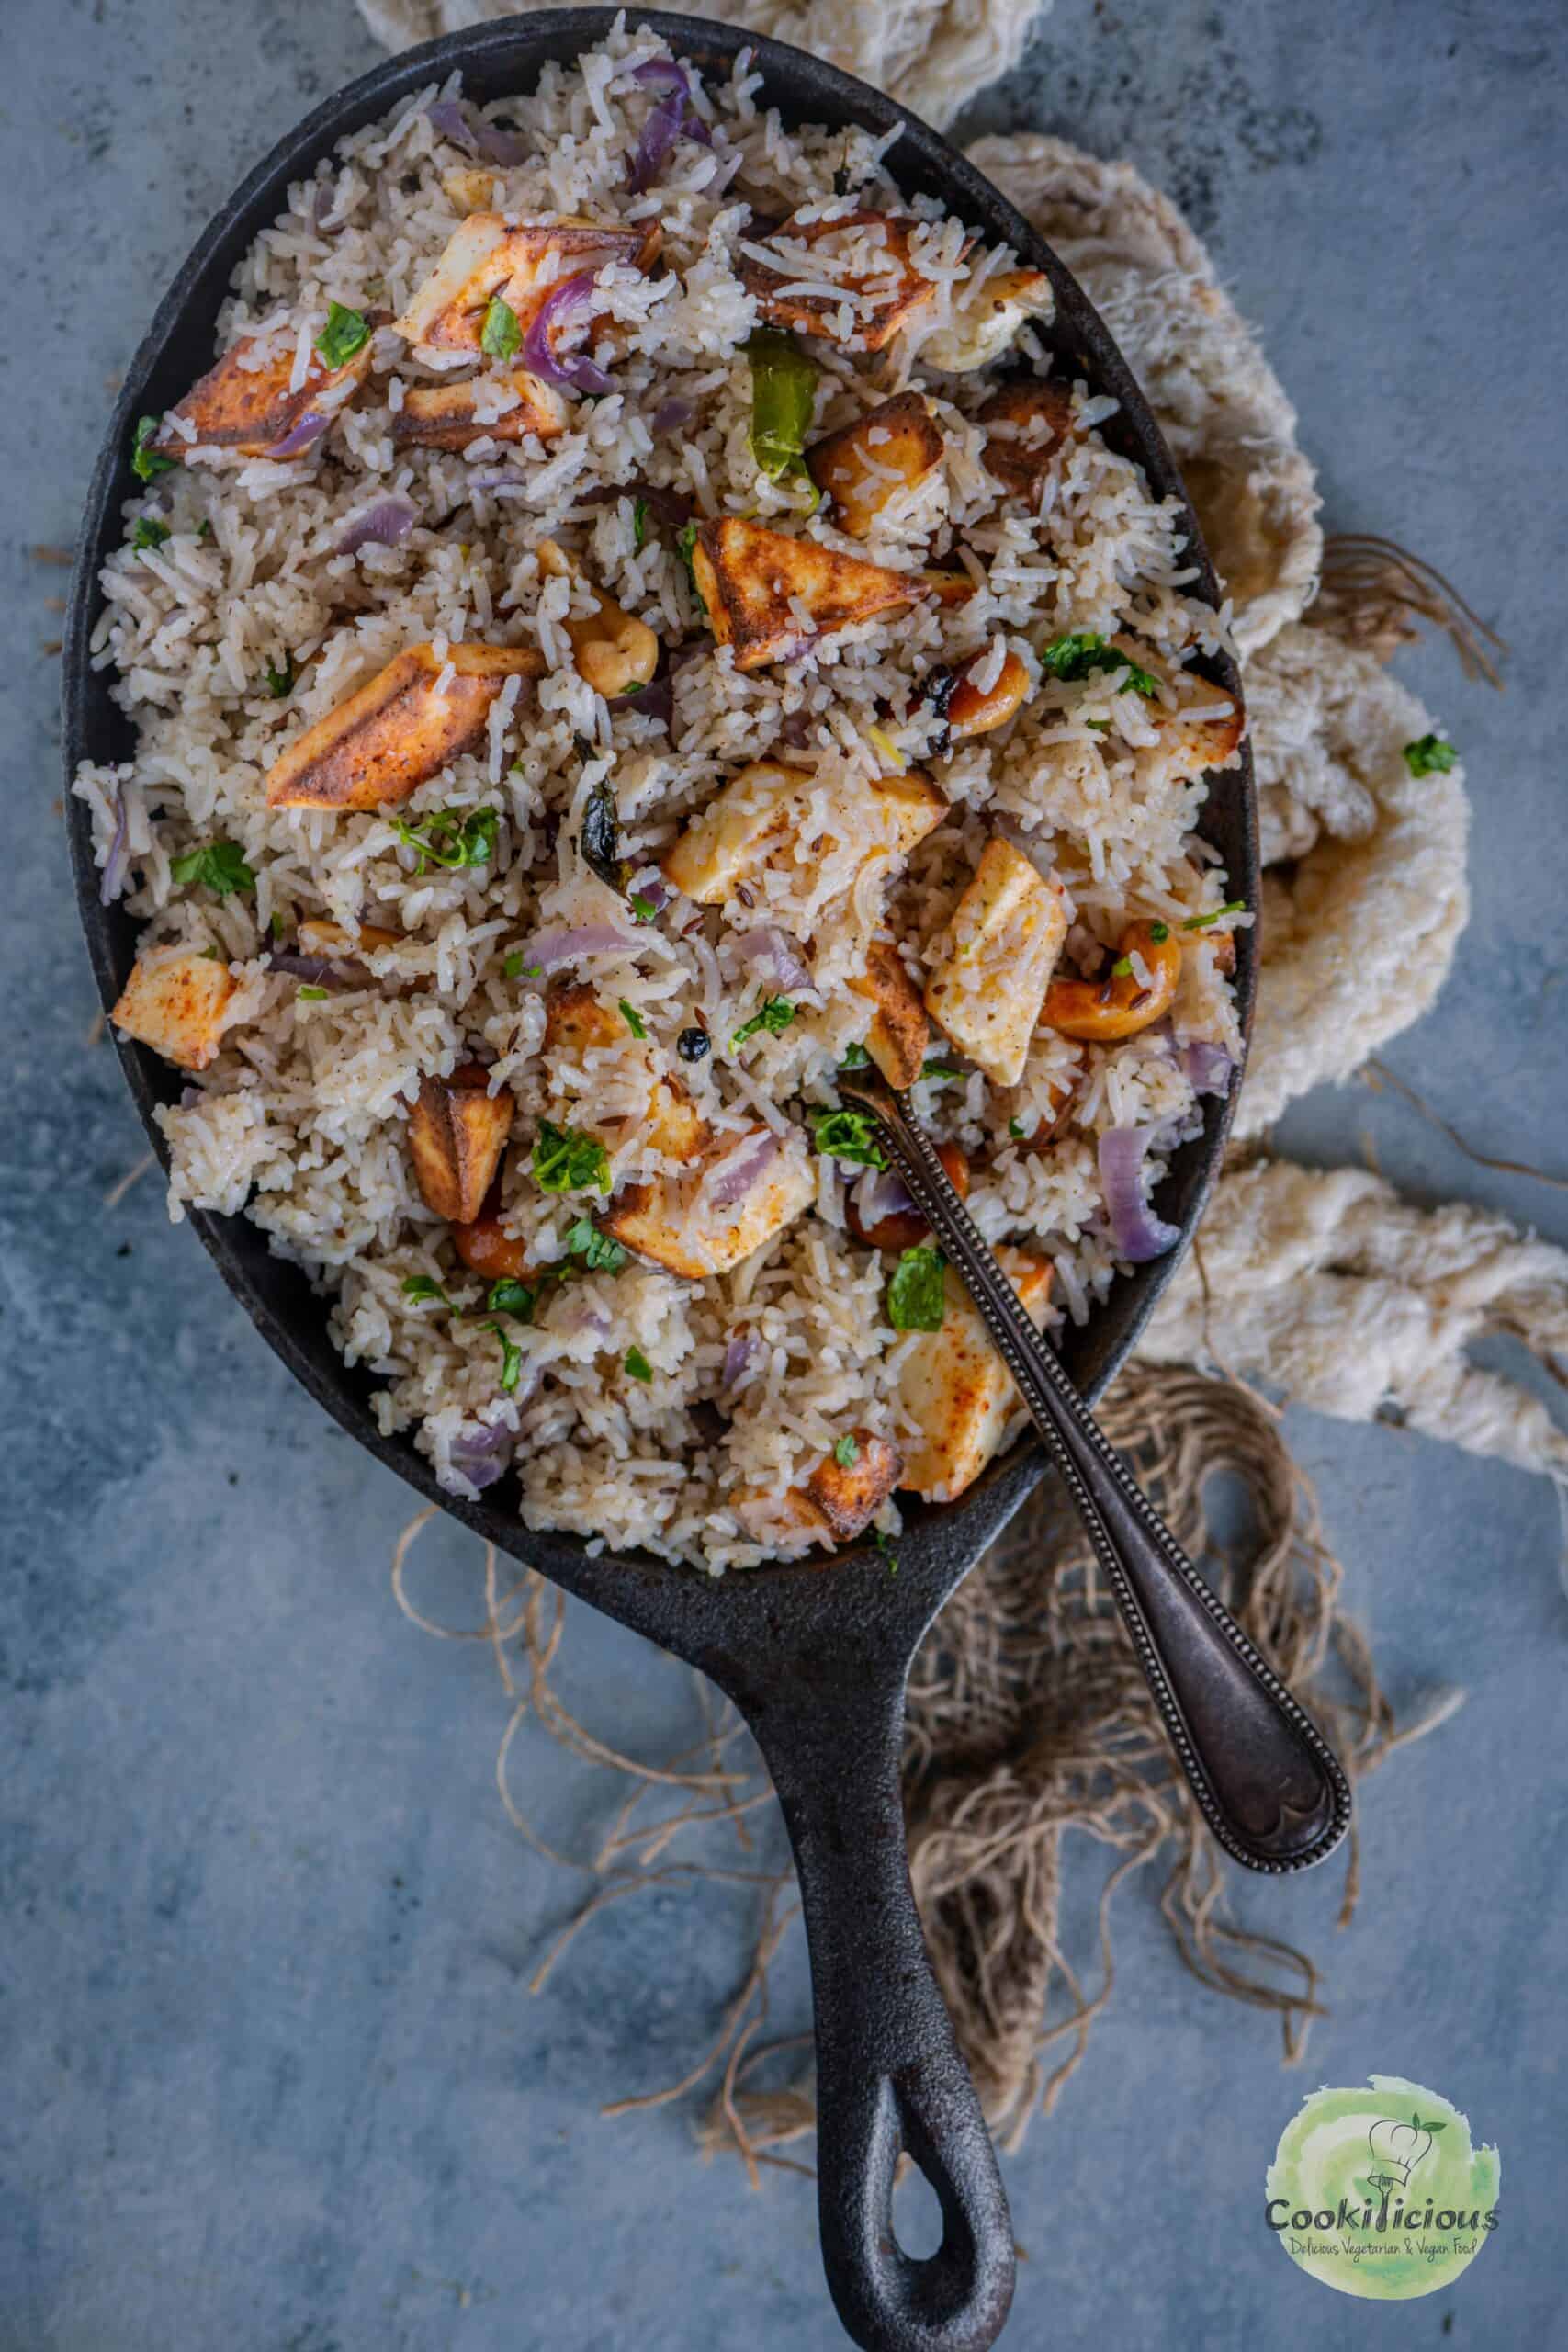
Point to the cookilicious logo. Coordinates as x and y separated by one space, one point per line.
1379 2191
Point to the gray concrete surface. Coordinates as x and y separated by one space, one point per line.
271 2077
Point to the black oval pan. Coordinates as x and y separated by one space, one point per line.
815 1656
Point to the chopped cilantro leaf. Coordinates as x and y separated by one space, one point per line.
418 1288
1079 656
884 1545
639 1365
1015 1129
147 463
643 910
937 1073
853 1058
510 1358
311 995
511 967
599 1253
915 1291
345 332
566 1161
632 1018
848 1135
220 865
508 1297
149 533
1123 968
846 1452
1159 933
1216 914
639 524
449 838
501 334
280 680
774 1017
1429 755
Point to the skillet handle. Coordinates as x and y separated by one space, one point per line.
889 2074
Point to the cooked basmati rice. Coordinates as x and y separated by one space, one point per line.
303 1113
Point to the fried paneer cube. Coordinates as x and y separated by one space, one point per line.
900 1030
457 1131
747 824
683 1226
398 732
178 1005
985 319
249 408
1188 745
576 1022
768 593
441 416
882 456
955 1386
838 1500
522 263
1006 932
882 288
1028 425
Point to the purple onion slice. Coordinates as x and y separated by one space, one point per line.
117 865
383 525
1207 1068
538 353
1136 1233
301 437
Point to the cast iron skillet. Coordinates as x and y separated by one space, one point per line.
815 1656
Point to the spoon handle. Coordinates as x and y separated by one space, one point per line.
1268 1784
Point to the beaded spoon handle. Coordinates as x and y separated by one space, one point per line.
1269 1785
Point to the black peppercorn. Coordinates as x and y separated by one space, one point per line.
692 1045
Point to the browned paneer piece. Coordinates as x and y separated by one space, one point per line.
442 416
1006 934
1028 423
687 1229
985 319
576 1022
398 732
178 1005
250 409
756 582
882 456
769 807
485 258
900 1030
955 1387
882 298
610 648
848 1495
906 1228
457 1131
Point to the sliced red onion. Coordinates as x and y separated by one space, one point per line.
382 525
737 1357
794 729
482 1455
499 146
672 119
1136 1233
507 485
318 971
879 1193
671 413
325 198
656 701
301 437
539 354
649 883
448 118
767 945
116 873
551 948
743 1170
1207 1068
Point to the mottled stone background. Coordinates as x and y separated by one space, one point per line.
271 2080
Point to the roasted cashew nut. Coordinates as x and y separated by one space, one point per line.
1119 1005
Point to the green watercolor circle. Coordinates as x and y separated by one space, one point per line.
1392 2154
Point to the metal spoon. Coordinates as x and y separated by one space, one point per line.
1269 1786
